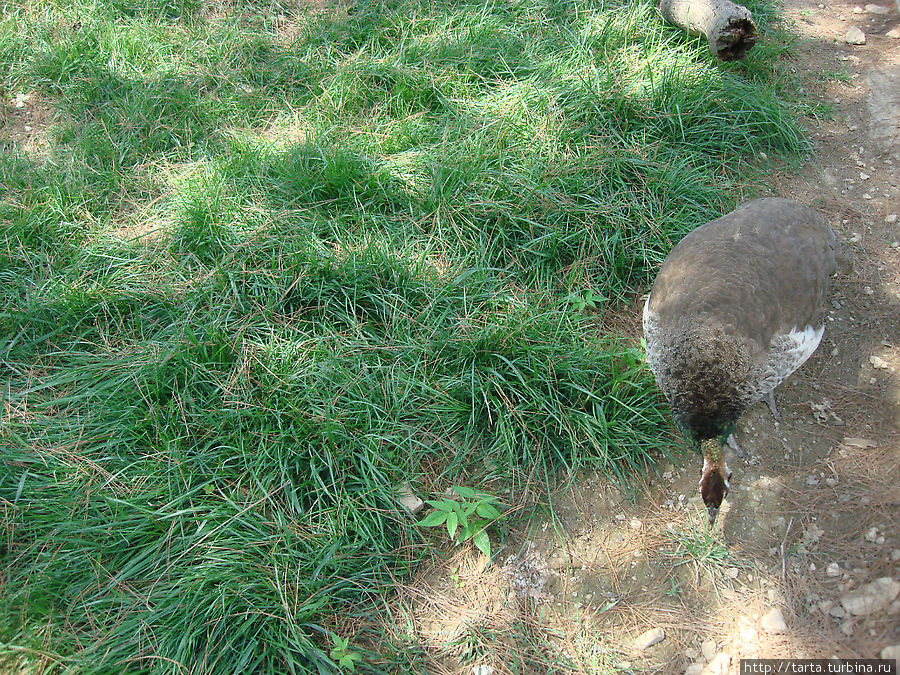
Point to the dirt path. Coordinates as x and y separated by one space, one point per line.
811 524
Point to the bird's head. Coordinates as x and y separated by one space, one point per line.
715 479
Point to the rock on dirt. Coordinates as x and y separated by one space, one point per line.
892 652
855 36
871 597
648 639
719 664
773 622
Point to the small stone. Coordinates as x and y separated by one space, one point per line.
858 10
635 524
891 218
837 612
831 481
27 127
719 665
847 628
862 443
892 652
408 499
732 572
872 534
482 670
878 362
708 649
871 597
820 6
864 176
748 634
825 606
812 480
648 639
877 9
19 100
895 555
773 622
692 653
855 36
694 669
879 539
894 33
833 570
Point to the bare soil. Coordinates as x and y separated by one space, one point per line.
814 510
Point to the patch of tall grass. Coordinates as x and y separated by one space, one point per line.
368 220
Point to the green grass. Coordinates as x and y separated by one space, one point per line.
369 226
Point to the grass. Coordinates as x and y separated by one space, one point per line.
362 231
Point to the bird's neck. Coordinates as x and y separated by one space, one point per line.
713 453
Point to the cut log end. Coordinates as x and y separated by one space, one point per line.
733 43
729 28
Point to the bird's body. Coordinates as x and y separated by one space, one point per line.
736 308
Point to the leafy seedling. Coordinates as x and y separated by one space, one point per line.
467 517
345 657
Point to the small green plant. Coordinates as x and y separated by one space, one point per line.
674 588
587 300
345 657
840 75
466 518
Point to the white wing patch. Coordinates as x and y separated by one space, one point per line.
787 352
651 331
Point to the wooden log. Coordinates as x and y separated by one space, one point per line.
729 28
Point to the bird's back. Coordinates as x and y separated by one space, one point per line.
736 307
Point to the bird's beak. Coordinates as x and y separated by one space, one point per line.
712 511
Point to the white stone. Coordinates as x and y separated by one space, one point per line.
773 622
878 362
855 36
837 612
871 534
692 653
694 669
871 597
719 665
833 570
892 652
893 33
635 524
895 555
482 670
648 638
877 9
408 499
708 649
858 10
891 218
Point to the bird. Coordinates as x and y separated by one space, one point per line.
737 306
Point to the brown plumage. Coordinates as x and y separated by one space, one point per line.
736 308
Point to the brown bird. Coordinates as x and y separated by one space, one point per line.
736 308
